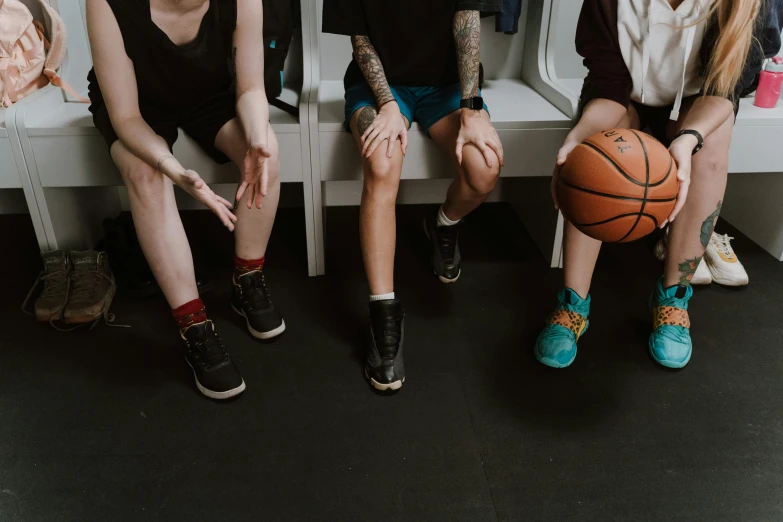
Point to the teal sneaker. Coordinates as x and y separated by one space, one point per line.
556 345
670 341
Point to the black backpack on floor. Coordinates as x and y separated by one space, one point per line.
281 17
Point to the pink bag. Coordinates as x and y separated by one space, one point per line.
27 60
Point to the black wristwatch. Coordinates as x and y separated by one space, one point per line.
698 146
476 103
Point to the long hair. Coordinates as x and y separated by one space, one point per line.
735 20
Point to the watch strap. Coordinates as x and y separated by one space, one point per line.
475 103
692 132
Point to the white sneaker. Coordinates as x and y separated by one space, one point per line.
723 263
702 276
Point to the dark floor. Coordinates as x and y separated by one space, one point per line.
106 425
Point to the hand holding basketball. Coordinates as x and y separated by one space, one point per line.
681 150
619 185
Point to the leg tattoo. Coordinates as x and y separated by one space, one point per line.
366 117
687 268
709 225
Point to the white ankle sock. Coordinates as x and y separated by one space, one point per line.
382 297
443 219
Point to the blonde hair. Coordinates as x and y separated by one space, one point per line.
736 20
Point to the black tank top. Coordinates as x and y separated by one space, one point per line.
174 78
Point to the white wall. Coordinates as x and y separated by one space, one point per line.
568 64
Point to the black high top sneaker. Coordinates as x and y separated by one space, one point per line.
444 256
384 367
216 375
251 300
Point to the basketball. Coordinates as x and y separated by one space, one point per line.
618 185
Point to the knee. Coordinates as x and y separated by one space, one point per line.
274 167
481 178
382 174
143 180
712 160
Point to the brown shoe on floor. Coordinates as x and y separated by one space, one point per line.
51 303
92 287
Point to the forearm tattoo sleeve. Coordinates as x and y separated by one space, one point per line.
467 36
370 63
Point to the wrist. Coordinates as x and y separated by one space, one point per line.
466 114
688 141
689 138
390 105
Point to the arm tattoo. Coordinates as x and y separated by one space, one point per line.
687 268
709 225
365 119
467 36
370 63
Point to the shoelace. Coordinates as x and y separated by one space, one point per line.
52 286
256 294
209 349
447 241
723 245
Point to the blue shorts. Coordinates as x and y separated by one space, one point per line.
424 105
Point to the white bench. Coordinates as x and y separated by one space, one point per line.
525 108
73 178
753 199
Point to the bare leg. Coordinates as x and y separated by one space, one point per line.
254 226
377 221
158 226
580 251
474 181
690 233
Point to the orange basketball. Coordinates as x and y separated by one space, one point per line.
618 185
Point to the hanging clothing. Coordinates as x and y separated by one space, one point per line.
507 21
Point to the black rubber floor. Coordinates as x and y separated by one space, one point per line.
106 425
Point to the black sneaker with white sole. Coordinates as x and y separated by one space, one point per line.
384 367
444 248
216 375
251 300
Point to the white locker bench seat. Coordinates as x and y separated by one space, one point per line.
755 130
528 125
70 152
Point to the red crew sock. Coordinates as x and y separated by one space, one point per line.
243 266
190 313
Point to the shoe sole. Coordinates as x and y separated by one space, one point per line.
392 386
443 279
215 394
729 282
255 333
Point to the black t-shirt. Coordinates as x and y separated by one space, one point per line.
413 38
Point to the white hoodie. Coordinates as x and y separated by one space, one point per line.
660 47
